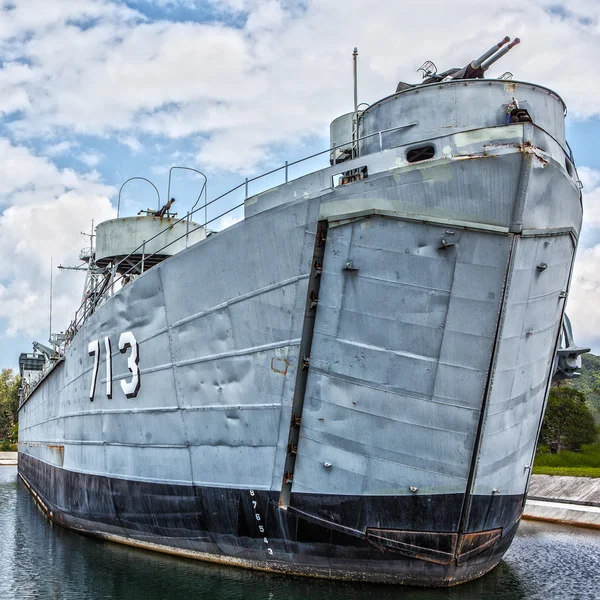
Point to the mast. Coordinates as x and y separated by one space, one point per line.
355 65
87 287
50 332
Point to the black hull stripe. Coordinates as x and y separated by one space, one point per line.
223 525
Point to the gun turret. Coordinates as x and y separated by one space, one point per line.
476 68
164 211
490 61
475 64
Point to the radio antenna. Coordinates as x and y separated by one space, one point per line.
355 60
50 333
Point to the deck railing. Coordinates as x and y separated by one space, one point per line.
88 306
138 266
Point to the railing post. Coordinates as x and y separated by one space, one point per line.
187 228
286 171
143 254
380 142
246 188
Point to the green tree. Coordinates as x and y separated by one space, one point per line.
589 382
568 421
9 403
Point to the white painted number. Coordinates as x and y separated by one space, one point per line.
258 518
108 352
94 350
127 342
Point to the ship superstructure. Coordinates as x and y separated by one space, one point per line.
350 382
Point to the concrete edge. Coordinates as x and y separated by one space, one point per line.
563 513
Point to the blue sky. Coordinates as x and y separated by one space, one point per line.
93 92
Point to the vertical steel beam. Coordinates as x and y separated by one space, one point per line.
310 313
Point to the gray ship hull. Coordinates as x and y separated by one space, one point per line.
347 384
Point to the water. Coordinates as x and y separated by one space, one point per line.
42 560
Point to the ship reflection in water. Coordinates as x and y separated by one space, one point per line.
39 560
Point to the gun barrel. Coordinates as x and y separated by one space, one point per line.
490 61
475 64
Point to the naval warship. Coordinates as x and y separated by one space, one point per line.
348 383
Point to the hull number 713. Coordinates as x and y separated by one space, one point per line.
127 342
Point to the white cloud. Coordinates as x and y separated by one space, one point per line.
591 196
59 149
99 68
589 177
131 142
20 170
27 178
169 4
227 220
50 208
24 17
584 298
282 76
91 159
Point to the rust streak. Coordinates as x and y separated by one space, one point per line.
282 371
471 544
529 148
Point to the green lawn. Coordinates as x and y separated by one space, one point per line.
572 471
585 463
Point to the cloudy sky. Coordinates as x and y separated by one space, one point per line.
95 91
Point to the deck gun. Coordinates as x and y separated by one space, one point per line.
41 349
474 70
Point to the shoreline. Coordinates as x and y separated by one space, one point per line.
562 513
564 499
9 459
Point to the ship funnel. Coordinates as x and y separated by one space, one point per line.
477 62
490 61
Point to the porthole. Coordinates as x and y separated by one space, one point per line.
418 154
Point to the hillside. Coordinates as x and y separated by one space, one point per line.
589 382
